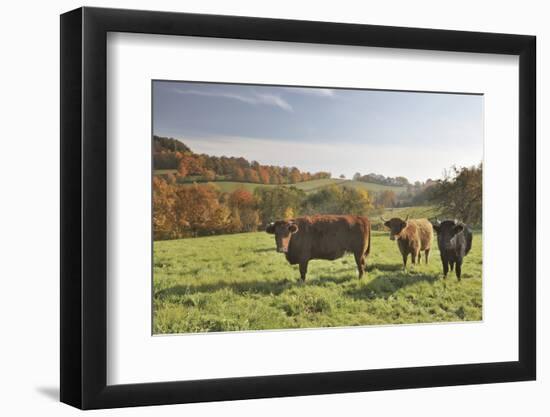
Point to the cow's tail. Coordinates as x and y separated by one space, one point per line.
368 243
469 238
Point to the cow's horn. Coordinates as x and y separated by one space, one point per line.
438 221
456 221
407 218
383 219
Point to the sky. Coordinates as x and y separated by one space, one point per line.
412 134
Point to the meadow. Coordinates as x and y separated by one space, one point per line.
306 186
239 282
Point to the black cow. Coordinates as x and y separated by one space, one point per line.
454 240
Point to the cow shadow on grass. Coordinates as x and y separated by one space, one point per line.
385 286
385 267
258 250
274 287
380 287
323 280
266 287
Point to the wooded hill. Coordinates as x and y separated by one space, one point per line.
171 154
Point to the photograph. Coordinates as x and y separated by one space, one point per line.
280 207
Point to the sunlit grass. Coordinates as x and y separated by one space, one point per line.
239 282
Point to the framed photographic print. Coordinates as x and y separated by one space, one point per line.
258 207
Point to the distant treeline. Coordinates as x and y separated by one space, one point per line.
170 153
381 179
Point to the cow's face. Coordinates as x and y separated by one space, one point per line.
396 226
446 231
283 232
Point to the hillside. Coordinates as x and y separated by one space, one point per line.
370 186
307 186
171 156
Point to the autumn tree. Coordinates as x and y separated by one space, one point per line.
238 174
385 198
163 214
264 175
209 175
288 214
460 193
355 201
165 160
251 176
338 200
161 144
198 211
182 169
170 178
244 214
274 202
295 176
190 164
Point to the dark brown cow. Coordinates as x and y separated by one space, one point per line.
322 237
412 236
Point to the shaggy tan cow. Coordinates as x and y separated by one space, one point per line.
412 236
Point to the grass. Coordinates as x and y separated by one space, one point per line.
239 282
164 171
307 186
370 186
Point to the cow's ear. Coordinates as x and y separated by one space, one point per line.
387 224
458 228
270 228
436 227
293 228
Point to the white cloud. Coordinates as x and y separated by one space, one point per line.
318 92
274 100
253 98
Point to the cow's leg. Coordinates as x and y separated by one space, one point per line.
303 270
418 257
452 265
445 267
458 268
360 261
405 255
427 255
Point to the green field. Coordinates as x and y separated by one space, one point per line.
307 186
239 282
370 186
164 171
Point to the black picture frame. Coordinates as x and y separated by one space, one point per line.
84 207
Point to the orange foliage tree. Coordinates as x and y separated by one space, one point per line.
244 213
198 211
163 214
